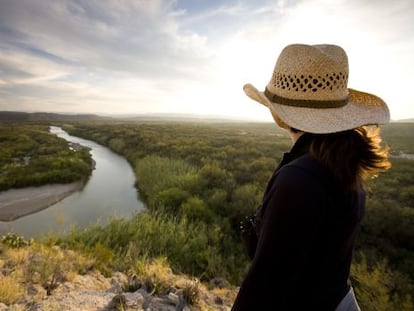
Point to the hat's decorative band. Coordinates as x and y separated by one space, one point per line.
305 103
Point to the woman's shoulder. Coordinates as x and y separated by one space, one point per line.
306 163
306 170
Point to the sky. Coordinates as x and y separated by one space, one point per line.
191 56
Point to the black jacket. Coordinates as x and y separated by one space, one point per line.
307 226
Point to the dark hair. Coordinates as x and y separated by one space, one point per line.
352 155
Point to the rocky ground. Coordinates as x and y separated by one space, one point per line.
44 285
94 292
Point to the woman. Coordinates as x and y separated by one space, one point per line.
314 202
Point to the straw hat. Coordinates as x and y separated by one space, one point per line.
308 91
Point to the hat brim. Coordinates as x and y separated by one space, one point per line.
362 109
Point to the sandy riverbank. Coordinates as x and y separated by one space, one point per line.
16 203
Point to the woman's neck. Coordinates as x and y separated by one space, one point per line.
294 135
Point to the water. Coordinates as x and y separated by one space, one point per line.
109 192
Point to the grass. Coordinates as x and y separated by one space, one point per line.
36 263
44 265
158 278
192 248
374 287
11 290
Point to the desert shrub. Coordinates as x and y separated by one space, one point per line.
15 240
378 288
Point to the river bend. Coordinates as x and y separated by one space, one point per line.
109 192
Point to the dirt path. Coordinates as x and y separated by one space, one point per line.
16 203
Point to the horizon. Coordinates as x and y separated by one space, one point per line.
149 114
183 56
167 115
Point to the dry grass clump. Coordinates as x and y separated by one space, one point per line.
16 256
157 277
50 266
35 263
11 290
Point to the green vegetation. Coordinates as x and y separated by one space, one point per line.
199 180
226 166
215 174
399 136
191 247
31 156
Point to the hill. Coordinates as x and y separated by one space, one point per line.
411 120
178 117
46 116
54 278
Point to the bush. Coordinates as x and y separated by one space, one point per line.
192 247
196 209
377 288
15 241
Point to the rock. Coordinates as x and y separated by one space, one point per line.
118 302
219 282
93 291
173 298
134 300
36 291
158 304
118 281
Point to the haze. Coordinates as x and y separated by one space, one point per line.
191 56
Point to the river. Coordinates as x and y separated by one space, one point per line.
109 192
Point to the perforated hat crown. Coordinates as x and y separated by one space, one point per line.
309 91
304 76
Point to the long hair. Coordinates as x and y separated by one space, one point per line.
352 156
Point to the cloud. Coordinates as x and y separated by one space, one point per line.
130 36
87 51
189 56
375 34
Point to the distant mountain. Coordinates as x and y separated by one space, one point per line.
181 117
404 120
44 116
184 117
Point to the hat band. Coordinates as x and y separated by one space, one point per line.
305 103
